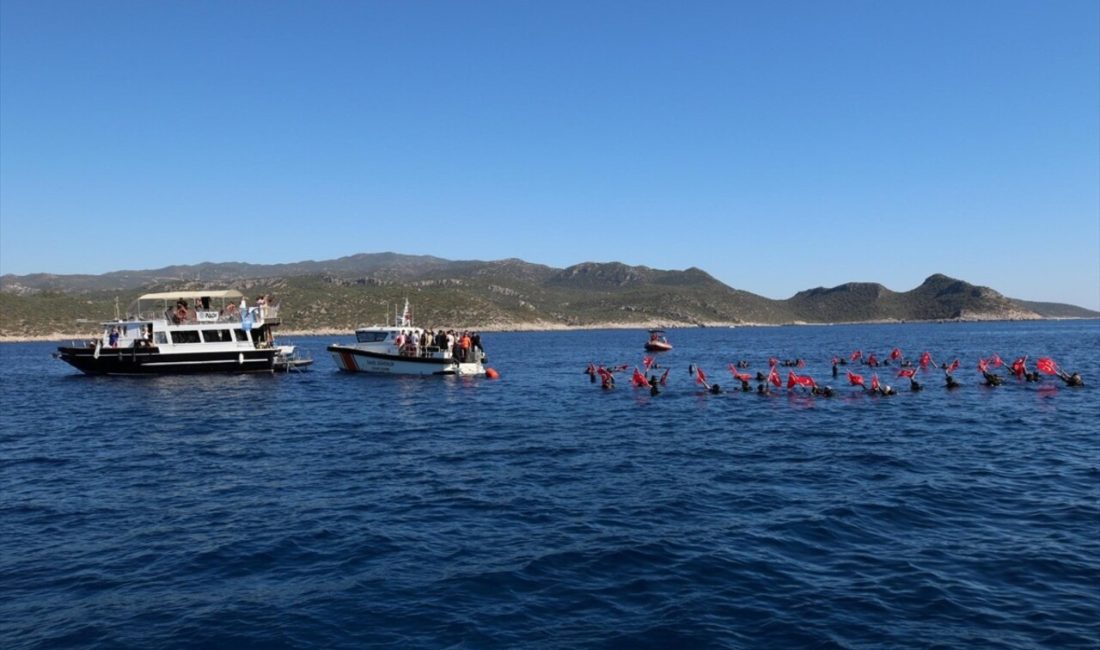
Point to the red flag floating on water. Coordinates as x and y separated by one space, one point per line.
872 360
953 367
772 361
835 360
996 361
700 378
856 356
638 379
664 377
773 377
907 372
801 363
874 381
895 354
855 380
647 362
983 366
1019 367
1047 366
925 359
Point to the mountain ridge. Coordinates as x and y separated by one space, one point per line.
502 294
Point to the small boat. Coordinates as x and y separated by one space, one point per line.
403 349
186 332
657 342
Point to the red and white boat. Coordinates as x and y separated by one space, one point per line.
657 342
397 350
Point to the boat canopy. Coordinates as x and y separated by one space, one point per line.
191 295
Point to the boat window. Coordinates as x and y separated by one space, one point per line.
185 336
371 337
242 335
160 338
216 336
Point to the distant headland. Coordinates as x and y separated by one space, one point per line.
338 295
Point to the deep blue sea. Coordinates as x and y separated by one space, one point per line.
330 510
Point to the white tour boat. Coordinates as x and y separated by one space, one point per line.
186 332
403 349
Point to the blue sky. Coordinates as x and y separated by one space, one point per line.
778 146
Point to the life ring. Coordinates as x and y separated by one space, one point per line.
181 314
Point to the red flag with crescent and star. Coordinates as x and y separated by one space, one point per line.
1047 366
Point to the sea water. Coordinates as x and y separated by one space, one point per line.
325 509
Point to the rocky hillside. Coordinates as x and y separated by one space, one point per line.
341 294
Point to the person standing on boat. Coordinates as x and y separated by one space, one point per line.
465 347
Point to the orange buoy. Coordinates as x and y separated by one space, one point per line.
492 374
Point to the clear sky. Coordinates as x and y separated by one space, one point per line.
777 145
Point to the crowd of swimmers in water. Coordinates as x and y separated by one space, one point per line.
655 377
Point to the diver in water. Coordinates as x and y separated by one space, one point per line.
1073 379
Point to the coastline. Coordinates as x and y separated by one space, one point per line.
62 337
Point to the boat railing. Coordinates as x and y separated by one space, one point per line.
230 314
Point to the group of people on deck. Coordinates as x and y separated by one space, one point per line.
184 312
464 346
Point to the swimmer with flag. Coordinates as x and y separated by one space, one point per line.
949 378
607 378
742 377
1047 366
1019 367
991 379
701 378
799 380
911 373
881 389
